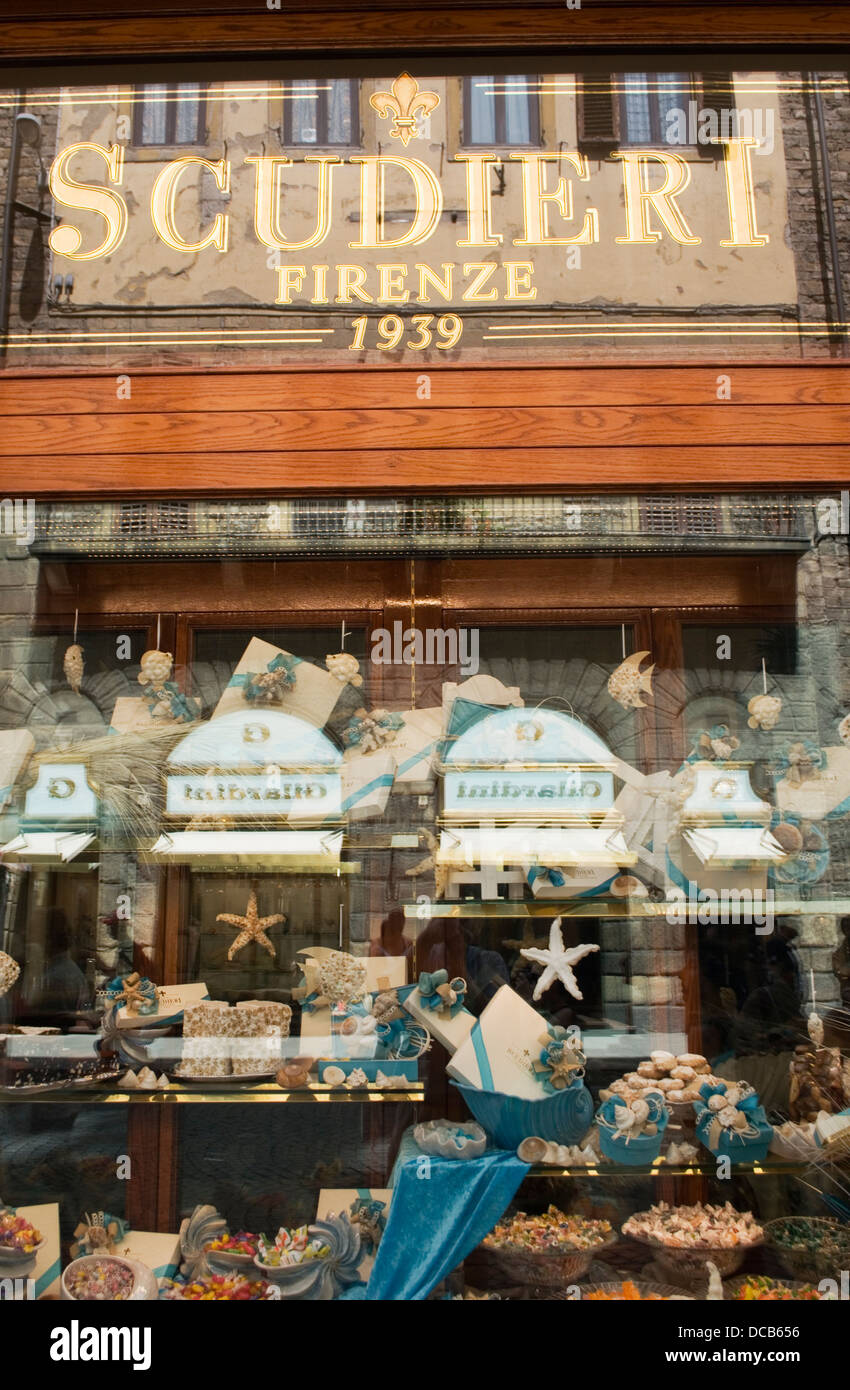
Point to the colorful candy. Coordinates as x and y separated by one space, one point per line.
549 1232
291 1248
221 1288
16 1233
243 1243
102 1281
759 1287
628 1292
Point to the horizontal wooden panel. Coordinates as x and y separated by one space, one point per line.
380 28
389 389
426 427
427 470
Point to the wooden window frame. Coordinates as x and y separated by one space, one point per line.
323 140
170 140
500 139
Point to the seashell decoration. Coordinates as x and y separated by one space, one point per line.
295 1073
9 972
73 665
334 977
356 1079
448 1140
764 711
345 668
627 682
536 1150
155 669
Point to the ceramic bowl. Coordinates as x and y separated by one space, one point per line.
564 1117
145 1287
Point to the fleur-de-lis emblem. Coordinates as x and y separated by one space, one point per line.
402 102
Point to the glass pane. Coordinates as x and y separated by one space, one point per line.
518 129
482 110
671 102
187 114
636 108
340 113
154 112
304 105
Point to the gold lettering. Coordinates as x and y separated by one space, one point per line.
320 284
289 279
536 198
164 197
639 198
66 239
351 279
267 193
428 276
391 284
484 273
478 204
429 200
740 193
519 275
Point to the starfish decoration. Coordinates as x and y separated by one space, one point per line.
559 961
251 927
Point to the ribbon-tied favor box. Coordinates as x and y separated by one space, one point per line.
450 1031
317 1030
312 695
349 1201
502 1047
367 780
171 1000
415 747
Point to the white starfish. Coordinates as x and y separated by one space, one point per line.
559 961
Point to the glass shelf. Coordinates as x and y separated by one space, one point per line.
264 1093
700 1168
597 907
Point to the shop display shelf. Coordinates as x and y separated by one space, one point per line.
265 1093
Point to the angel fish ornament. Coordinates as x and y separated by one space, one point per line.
627 682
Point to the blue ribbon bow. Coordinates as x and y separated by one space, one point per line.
553 876
429 992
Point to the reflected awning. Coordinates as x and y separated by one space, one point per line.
551 848
734 844
47 847
314 850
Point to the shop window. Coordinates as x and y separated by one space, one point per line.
321 113
164 115
500 111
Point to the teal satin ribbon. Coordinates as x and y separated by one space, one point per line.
553 876
481 1057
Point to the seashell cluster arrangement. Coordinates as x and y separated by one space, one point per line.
335 977
9 972
764 711
448 1140
536 1150
345 668
677 1078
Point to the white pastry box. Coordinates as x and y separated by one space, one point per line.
501 1050
367 780
317 1037
16 746
451 1032
312 697
415 748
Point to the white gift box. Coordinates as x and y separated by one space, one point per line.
16 745
821 796
367 780
382 972
312 696
131 715
171 1000
451 1032
501 1049
415 748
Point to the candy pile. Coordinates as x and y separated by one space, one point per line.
677 1078
16 1233
232 1288
683 1227
101 1280
758 1287
243 1243
549 1231
798 1235
628 1292
291 1248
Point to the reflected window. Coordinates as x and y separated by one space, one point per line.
500 111
169 115
649 106
321 112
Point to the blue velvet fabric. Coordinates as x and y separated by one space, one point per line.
441 1209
